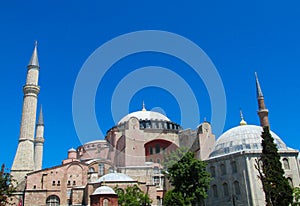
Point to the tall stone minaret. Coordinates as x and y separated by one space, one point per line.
262 110
24 158
39 142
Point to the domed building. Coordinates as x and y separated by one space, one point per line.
232 163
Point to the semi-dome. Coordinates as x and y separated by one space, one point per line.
115 177
104 190
241 138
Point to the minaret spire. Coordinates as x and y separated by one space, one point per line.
39 142
24 158
262 110
34 60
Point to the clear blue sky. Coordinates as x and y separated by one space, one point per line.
239 37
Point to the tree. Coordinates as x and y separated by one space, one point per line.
296 195
6 186
275 184
190 180
132 196
172 198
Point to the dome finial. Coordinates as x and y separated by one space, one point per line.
242 122
144 109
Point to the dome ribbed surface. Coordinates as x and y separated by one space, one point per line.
241 138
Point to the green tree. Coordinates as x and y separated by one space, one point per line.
190 179
132 196
296 195
6 186
172 198
275 184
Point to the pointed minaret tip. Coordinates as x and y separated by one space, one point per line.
41 118
242 122
144 109
258 88
34 61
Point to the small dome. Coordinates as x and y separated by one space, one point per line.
104 190
145 115
241 138
115 177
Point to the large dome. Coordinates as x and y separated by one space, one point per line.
241 138
145 115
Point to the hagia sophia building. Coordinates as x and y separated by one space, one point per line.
132 153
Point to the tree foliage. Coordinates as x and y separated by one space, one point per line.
6 186
296 195
132 196
190 180
275 184
172 198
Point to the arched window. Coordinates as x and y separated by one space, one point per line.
53 200
212 171
286 164
101 169
215 190
290 182
237 188
223 169
233 167
111 170
105 202
225 189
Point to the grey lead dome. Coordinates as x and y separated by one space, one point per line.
241 138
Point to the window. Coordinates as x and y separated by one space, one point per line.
53 200
150 150
101 169
158 161
91 170
74 182
53 183
157 148
223 169
225 189
286 164
212 171
69 182
105 202
34 186
111 170
233 167
58 183
215 190
237 188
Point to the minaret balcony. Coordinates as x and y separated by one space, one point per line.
29 89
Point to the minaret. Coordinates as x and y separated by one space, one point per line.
39 142
24 158
262 110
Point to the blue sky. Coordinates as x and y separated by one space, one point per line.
239 37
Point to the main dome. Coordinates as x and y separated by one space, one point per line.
145 115
241 138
